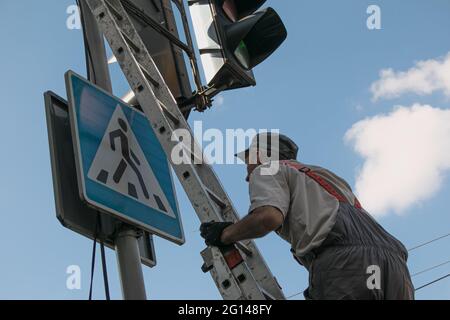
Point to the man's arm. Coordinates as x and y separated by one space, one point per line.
259 223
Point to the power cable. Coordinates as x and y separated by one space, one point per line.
94 246
431 268
415 274
105 272
102 252
428 242
432 282
417 289
294 295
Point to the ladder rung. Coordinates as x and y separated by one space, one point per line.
192 155
267 295
131 43
244 249
216 199
114 11
169 114
149 77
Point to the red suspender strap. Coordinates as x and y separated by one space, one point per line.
357 204
324 184
328 187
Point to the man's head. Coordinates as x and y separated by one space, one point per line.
267 147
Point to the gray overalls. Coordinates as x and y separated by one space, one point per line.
358 260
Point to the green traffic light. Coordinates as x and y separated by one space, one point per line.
253 39
242 55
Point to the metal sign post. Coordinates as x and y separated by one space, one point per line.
99 74
123 171
127 246
130 209
129 263
127 249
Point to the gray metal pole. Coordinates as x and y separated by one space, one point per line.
98 64
126 242
129 263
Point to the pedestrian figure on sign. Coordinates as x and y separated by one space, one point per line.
129 158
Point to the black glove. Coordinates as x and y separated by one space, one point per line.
212 231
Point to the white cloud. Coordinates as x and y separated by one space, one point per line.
406 155
424 78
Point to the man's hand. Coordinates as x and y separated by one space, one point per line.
212 232
256 225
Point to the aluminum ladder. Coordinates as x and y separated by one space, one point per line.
240 272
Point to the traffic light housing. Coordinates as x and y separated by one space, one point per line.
233 38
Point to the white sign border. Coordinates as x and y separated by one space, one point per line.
80 171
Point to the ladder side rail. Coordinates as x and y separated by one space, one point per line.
207 175
138 67
186 171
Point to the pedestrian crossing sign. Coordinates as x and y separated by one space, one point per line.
121 166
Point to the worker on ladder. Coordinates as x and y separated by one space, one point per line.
347 253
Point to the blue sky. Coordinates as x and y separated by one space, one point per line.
314 89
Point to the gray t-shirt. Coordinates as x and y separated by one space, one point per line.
309 210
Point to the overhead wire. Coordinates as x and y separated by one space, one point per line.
433 282
94 246
428 242
417 273
431 268
416 289
294 295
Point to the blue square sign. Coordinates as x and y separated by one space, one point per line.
121 166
